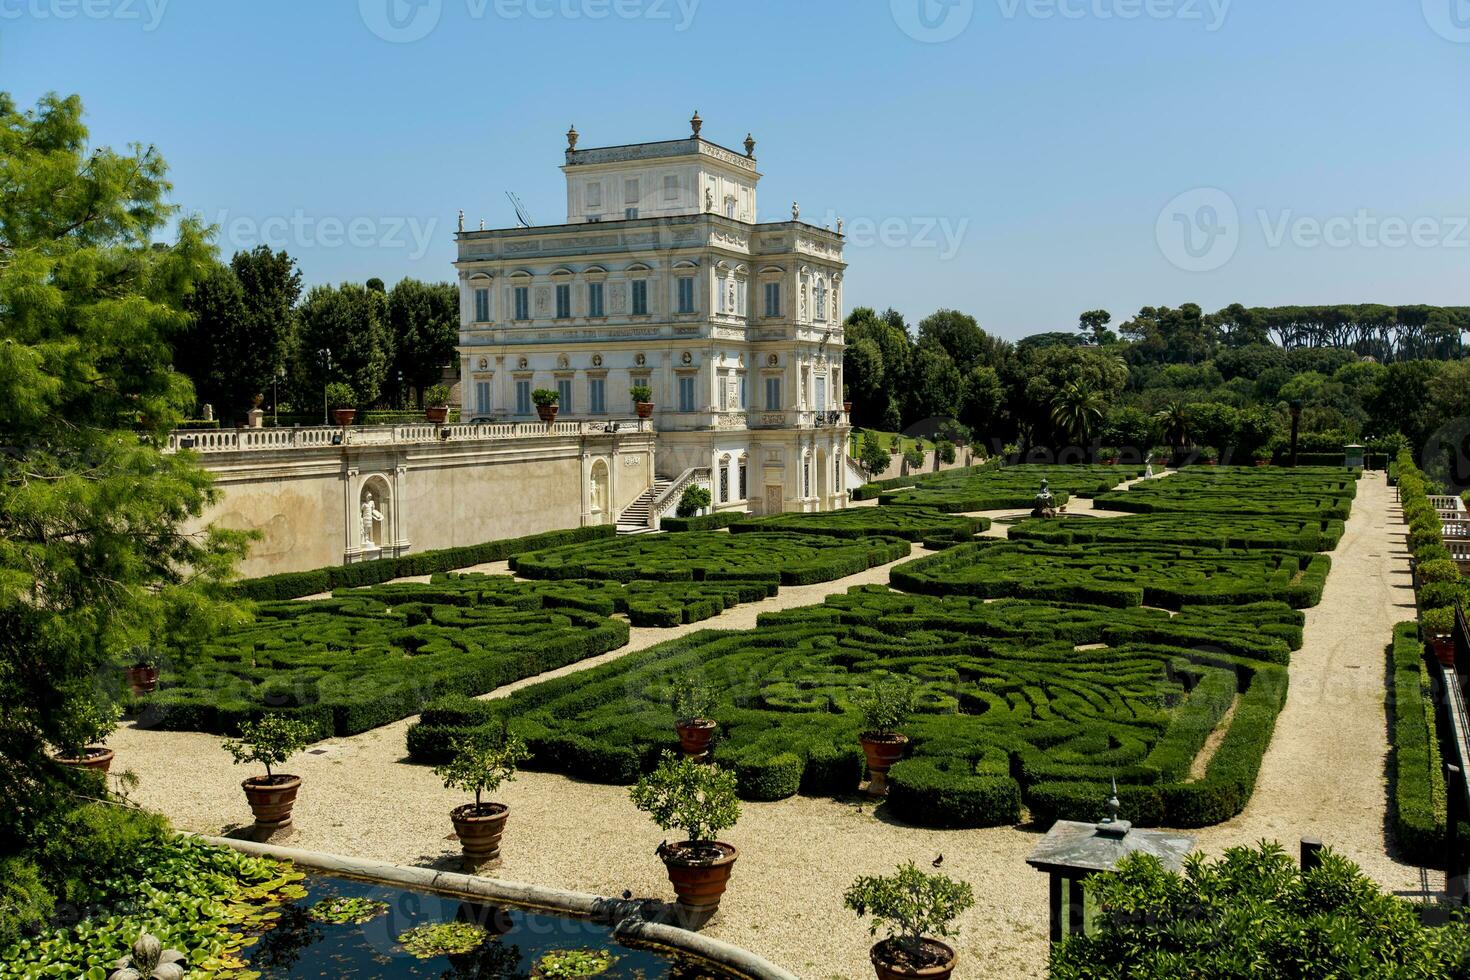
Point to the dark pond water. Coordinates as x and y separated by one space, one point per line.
514 941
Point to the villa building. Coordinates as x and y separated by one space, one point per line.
662 276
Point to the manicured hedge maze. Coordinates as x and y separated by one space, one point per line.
1417 813
711 556
1316 493
1016 705
1147 574
1012 488
1207 531
366 658
909 523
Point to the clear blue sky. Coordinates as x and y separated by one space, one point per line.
1045 140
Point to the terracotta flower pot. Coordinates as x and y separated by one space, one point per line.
547 413
644 409
271 799
695 736
97 758
890 965
847 408
142 680
437 414
882 751
699 874
479 829
344 416
1444 649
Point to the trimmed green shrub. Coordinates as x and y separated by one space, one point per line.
909 523
705 522
1417 793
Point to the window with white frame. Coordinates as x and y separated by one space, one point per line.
482 305
821 402
741 294
743 403
806 476
837 472
686 294
744 482
595 304
523 302
724 481
482 398
730 207
632 191
724 386
686 392
722 285
640 297
564 301
773 394
564 394
523 397
773 299
597 396
821 313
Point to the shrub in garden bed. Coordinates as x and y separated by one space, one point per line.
1206 531
704 522
1001 688
909 523
1416 811
1304 494
367 658
1012 488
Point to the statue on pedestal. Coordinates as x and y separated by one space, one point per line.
370 515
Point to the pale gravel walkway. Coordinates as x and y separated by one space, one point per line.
1323 775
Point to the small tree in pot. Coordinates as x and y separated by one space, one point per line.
88 725
1439 629
270 742
343 401
884 706
436 404
642 400
694 500
547 405
481 763
692 702
142 671
911 907
699 801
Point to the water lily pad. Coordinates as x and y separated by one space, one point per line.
347 911
569 964
442 939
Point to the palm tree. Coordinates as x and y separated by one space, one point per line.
1173 419
1077 411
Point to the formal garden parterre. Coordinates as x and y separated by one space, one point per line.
993 488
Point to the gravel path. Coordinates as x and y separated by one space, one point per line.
1323 776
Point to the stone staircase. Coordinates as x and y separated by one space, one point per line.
634 520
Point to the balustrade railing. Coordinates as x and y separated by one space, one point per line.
270 440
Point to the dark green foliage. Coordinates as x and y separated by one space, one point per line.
1150 574
1301 494
294 585
702 556
871 491
366 658
1417 770
909 523
705 522
1011 488
1253 913
1206 531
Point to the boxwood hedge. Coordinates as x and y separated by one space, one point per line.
909 523
1012 488
1208 531
1417 806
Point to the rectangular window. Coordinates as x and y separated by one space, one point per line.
523 302
743 402
594 299
482 398
671 187
744 482
773 299
724 395
482 306
564 302
631 214
594 194
640 297
821 404
729 207
632 193
724 484
564 391
806 477
523 398
773 394
686 294
686 393
597 396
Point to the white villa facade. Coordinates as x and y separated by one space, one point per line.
661 276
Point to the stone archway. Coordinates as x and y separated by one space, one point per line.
600 504
375 516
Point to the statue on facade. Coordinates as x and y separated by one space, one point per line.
839 226
795 210
461 219
370 515
709 199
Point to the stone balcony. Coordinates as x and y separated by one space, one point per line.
280 440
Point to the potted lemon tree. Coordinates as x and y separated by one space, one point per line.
481 763
436 404
692 703
270 742
699 801
911 907
142 672
343 401
642 401
80 746
884 707
547 402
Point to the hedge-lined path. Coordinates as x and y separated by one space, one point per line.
1325 773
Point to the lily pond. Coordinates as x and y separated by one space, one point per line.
347 928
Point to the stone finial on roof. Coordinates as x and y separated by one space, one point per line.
696 124
572 136
750 146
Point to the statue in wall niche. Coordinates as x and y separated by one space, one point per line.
370 517
709 199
